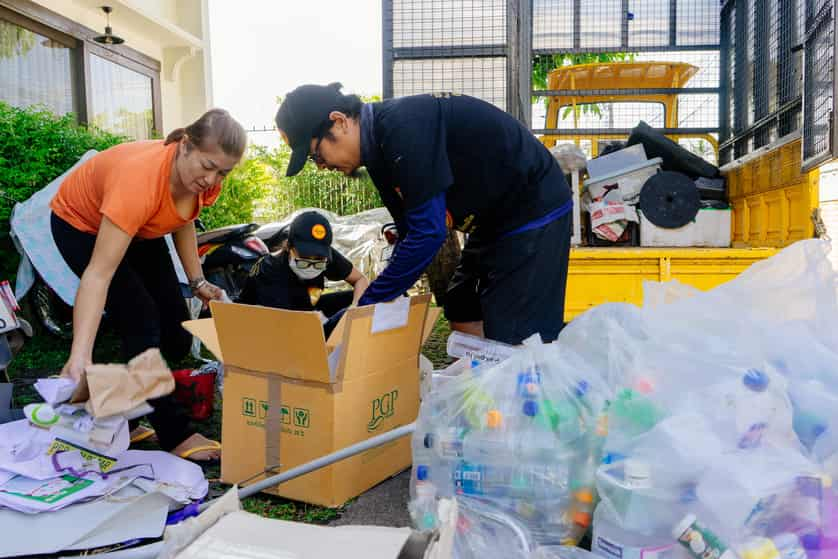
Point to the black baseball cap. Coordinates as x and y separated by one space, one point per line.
311 235
303 115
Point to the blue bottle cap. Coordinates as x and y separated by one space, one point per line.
755 380
689 493
811 541
582 388
428 441
421 472
530 408
612 457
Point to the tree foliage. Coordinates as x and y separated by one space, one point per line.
544 64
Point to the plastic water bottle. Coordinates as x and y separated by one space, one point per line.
789 546
533 481
807 506
627 485
699 540
491 445
448 443
761 411
423 505
814 405
480 480
633 413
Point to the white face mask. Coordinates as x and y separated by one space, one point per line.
307 274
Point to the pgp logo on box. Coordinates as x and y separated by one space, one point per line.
382 407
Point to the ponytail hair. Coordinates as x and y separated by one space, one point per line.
215 125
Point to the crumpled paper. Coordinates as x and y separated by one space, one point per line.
609 219
115 389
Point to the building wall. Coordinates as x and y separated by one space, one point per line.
147 26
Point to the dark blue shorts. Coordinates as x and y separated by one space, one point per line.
515 284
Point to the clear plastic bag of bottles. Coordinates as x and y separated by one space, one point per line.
523 437
722 430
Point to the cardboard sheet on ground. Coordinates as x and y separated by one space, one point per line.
179 479
33 496
129 515
242 535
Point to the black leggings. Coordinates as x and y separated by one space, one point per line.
146 306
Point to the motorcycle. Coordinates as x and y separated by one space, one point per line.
13 329
227 255
273 234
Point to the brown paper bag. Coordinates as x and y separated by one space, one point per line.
115 389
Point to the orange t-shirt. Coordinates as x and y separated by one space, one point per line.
128 183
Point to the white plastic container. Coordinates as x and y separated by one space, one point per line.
613 542
606 165
625 184
711 228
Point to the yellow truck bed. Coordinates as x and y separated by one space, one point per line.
600 275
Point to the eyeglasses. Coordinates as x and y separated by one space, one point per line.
315 157
305 263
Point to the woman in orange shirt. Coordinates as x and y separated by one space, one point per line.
109 218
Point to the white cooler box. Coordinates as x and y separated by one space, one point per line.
711 228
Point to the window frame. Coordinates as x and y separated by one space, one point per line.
79 38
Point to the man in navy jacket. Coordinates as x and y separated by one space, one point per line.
450 161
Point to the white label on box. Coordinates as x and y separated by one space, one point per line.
389 316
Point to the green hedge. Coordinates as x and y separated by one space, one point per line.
35 147
248 184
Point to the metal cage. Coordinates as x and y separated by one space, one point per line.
765 68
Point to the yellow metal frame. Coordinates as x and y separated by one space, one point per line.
617 75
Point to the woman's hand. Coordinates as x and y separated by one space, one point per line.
207 292
74 367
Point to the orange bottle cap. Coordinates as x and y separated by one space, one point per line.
494 418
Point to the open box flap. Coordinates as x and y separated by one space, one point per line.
365 352
204 330
289 343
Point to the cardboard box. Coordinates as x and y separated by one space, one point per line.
290 396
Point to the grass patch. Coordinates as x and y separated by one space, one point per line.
283 509
435 348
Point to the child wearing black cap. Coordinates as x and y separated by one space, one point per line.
294 277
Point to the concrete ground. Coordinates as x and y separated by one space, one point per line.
383 505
